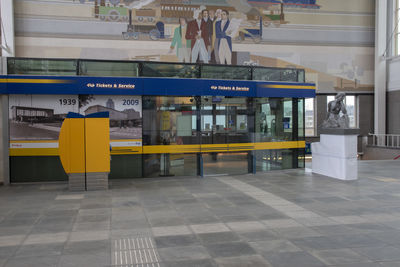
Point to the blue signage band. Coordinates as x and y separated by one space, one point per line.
16 84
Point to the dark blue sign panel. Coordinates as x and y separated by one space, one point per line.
13 84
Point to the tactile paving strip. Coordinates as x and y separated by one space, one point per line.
134 252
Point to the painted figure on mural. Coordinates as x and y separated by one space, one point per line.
209 25
183 45
337 114
198 34
224 38
214 39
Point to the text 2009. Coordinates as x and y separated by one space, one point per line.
130 102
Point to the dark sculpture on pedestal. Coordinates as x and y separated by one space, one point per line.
337 115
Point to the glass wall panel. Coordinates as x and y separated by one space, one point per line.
351 110
289 75
225 163
300 116
301 76
156 165
224 120
309 117
169 121
41 66
226 72
102 68
152 69
266 74
276 159
301 158
274 119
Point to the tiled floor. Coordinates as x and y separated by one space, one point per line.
281 218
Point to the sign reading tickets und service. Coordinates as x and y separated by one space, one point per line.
13 84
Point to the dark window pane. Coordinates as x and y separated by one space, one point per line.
266 74
151 69
289 75
108 68
226 72
301 76
41 66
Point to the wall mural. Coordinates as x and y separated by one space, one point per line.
332 40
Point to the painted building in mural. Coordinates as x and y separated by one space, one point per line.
332 40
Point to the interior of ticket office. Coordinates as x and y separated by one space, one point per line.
166 119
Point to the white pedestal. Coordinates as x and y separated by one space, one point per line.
335 156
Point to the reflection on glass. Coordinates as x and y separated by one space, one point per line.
41 66
169 121
152 69
224 120
225 163
309 116
300 116
101 68
277 159
274 119
165 165
226 72
266 74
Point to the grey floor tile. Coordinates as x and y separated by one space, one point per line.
87 260
87 247
36 250
243 261
296 232
43 261
221 237
355 241
315 243
230 249
258 235
381 253
274 246
169 221
8 252
176 241
389 264
339 256
186 253
190 263
360 264
293 259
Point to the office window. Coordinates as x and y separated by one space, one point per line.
350 102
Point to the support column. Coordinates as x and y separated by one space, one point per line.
380 66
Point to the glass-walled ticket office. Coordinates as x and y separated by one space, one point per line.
182 134
215 121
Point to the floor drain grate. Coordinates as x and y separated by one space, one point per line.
134 252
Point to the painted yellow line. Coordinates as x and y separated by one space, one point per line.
282 86
13 80
171 149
